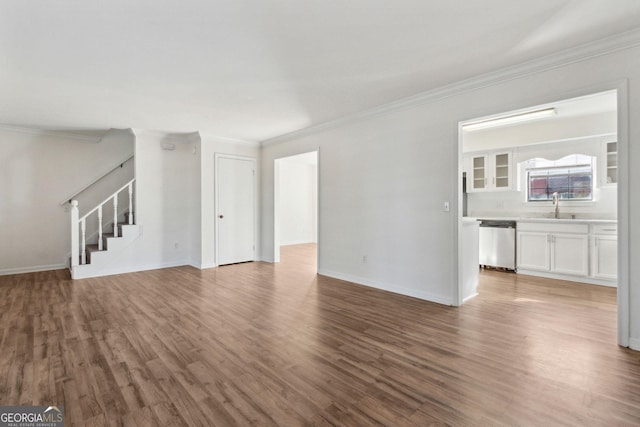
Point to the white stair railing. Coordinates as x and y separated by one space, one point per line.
79 225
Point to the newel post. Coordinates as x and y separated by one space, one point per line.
75 237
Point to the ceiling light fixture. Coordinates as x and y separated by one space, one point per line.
510 119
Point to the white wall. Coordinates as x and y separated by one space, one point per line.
383 179
38 170
298 201
375 203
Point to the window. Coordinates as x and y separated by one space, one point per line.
571 177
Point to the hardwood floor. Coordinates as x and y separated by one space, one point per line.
268 344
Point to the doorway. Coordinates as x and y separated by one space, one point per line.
510 156
296 204
235 209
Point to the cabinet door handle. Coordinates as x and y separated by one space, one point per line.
596 241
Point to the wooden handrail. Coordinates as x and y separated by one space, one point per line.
81 190
107 199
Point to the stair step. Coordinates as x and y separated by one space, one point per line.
89 250
105 236
120 224
100 263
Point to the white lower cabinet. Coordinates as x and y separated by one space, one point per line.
586 252
570 254
554 252
605 252
533 251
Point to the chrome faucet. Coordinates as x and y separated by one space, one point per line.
556 203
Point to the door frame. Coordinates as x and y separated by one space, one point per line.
217 202
621 87
276 202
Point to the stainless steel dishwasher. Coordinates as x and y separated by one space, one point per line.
498 244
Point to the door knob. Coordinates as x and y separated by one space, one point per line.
221 216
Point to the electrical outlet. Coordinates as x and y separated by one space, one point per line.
446 207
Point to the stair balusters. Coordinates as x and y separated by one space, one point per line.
100 228
115 216
75 245
79 225
83 245
131 203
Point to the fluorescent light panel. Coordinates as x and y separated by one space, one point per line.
507 120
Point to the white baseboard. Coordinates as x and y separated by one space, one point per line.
161 265
469 297
113 271
33 269
634 344
386 287
203 266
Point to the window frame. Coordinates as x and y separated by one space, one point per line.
573 171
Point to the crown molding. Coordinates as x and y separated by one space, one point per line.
229 140
116 131
174 137
51 132
196 136
605 46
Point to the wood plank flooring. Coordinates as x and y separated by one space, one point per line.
265 344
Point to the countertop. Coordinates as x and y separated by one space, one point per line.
545 220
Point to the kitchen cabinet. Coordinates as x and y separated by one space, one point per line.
604 248
490 171
609 171
533 251
581 251
569 254
554 248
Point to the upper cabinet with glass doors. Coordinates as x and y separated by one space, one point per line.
609 171
490 172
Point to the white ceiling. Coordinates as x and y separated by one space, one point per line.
257 69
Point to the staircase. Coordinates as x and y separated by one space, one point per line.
91 260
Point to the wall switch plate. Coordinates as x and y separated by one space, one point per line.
446 207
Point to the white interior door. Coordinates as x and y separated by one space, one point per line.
235 209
